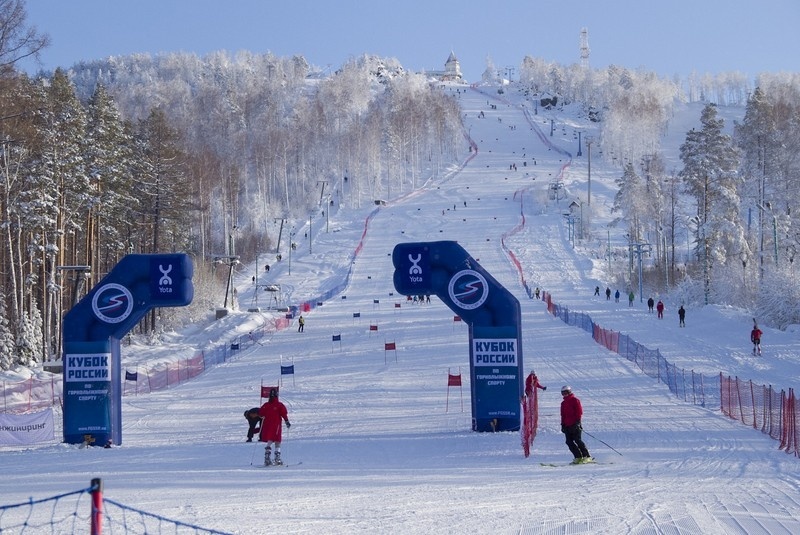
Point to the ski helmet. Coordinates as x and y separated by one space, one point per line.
273 393
566 389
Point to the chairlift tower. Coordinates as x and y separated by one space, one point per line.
584 48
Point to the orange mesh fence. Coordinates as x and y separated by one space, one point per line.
37 393
530 420
758 406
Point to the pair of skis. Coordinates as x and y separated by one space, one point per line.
279 465
558 465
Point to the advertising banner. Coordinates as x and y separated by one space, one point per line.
21 429
87 391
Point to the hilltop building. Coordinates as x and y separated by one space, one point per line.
451 72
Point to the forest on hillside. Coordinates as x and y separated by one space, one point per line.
210 155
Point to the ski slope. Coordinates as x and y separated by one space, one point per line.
379 452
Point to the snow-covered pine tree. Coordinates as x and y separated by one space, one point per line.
8 352
710 163
632 202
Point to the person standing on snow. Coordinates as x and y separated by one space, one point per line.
616 296
532 382
608 293
274 414
301 323
650 304
660 309
755 337
571 414
631 297
597 290
681 317
253 420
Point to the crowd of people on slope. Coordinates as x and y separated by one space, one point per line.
658 308
652 305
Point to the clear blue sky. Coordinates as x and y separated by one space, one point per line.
665 36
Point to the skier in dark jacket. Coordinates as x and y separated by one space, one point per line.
650 304
571 414
681 317
254 421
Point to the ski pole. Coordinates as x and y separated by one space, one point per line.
597 439
253 455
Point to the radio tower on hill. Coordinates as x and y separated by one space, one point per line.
584 48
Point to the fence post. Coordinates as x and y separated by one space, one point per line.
97 507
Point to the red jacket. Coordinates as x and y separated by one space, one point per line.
755 335
571 410
532 382
273 412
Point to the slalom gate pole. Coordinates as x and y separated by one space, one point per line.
96 490
597 439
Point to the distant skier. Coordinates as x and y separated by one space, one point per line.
597 290
616 296
536 293
274 414
631 297
650 304
301 323
755 337
660 309
681 317
608 293
571 414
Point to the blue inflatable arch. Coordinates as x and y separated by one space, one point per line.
446 270
93 329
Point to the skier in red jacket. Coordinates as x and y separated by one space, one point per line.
571 413
755 337
274 414
532 382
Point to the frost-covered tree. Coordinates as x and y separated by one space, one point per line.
112 195
51 207
490 74
756 136
632 202
29 350
710 163
8 348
